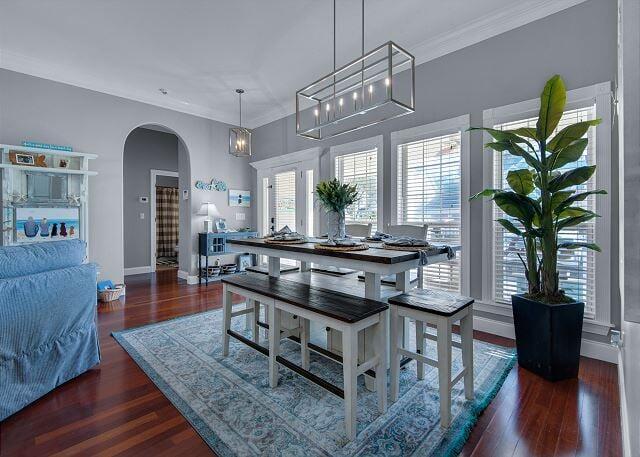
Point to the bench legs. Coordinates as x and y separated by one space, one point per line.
274 344
444 370
226 318
466 334
305 331
350 371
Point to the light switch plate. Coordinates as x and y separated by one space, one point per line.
239 216
141 215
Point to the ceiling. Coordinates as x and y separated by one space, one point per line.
201 50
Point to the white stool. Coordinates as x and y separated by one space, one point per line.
441 309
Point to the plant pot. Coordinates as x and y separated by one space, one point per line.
548 337
336 229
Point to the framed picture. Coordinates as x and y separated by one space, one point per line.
35 224
244 261
19 158
221 226
239 198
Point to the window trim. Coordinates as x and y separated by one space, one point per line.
600 95
457 124
376 142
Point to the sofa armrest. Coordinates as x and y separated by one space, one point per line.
38 310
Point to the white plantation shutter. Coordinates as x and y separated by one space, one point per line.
361 168
429 193
284 190
577 266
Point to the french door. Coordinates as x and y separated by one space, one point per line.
285 198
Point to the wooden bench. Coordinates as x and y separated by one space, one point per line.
345 313
441 309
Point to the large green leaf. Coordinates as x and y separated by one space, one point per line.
508 225
485 193
571 153
579 197
573 221
569 134
559 197
513 149
577 245
573 211
528 132
573 177
552 101
521 181
504 135
516 205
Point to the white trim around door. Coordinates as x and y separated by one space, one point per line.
152 211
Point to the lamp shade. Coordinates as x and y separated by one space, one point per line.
209 210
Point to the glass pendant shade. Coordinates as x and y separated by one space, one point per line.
240 142
373 88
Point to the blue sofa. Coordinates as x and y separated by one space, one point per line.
47 320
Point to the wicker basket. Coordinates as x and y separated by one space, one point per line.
111 294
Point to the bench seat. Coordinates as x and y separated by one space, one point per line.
343 307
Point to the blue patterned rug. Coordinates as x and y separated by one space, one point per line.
229 402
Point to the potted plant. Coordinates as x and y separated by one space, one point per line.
335 197
541 203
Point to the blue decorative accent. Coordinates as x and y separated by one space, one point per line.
47 320
229 401
55 147
215 184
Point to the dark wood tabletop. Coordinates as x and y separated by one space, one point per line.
375 253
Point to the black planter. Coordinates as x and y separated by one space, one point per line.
548 337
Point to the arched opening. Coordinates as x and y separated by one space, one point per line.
156 213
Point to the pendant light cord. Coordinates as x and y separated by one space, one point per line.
362 27
240 102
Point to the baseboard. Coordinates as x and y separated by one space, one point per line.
624 414
137 270
187 277
589 348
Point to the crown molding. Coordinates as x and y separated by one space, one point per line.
490 25
480 29
66 75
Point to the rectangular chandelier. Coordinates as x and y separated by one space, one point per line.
374 88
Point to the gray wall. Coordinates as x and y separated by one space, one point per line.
144 150
629 95
578 43
42 110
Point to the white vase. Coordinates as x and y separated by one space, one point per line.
336 225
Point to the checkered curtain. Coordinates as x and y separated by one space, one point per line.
167 220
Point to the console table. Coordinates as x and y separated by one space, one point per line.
215 244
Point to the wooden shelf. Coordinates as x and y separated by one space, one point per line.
66 171
47 151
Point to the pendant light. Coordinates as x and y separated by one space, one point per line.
240 137
375 87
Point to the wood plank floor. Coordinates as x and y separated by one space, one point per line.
114 409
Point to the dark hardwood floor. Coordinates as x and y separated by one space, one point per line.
114 409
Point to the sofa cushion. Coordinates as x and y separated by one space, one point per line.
35 258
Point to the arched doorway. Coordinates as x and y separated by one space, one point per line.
156 217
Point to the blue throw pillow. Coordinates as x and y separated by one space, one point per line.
35 258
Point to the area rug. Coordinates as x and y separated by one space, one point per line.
229 402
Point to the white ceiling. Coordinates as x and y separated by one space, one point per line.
201 50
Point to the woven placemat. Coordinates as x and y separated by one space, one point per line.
270 241
358 247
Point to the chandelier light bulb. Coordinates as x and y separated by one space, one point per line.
387 82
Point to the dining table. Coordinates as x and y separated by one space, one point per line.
375 262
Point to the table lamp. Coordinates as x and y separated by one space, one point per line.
210 211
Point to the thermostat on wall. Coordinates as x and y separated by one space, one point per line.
185 194
144 199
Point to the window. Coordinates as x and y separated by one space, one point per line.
577 267
361 168
429 192
285 200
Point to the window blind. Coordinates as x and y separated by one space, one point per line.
361 168
576 266
428 192
285 200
